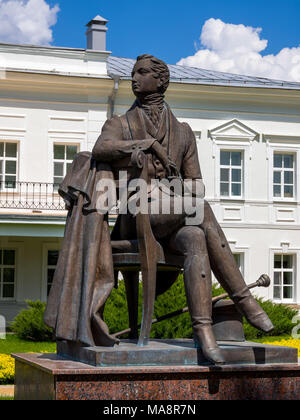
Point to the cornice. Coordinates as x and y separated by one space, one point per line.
76 53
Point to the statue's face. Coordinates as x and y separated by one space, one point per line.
144 79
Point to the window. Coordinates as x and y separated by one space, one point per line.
197 135
63 158
284 175
52 259
239 259
8 273
231 177
8 164
284 275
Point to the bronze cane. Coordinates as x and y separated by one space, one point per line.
263 281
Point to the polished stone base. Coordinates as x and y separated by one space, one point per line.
47 377
174 353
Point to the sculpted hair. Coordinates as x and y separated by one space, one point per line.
159 67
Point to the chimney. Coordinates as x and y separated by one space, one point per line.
96 34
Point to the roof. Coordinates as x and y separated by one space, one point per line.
97 19
122 67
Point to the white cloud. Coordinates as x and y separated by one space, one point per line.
27 21
238 49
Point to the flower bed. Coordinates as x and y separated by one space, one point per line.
286 343
7 369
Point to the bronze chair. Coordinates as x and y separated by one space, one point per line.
143 255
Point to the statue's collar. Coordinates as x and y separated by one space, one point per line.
151 100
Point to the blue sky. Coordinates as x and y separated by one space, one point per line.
169 28
220 35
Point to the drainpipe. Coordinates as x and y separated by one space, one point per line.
112 97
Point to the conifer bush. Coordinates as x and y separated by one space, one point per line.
116 312
29 324
281 317
116 315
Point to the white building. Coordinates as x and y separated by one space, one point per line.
54 102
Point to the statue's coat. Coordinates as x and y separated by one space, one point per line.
84 277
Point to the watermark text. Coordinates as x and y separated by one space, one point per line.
158 197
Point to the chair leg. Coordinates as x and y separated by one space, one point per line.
149 255
149 293
132 291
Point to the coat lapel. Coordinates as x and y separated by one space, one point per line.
148 123
162 131
137 127
176 143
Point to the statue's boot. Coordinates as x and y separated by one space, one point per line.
252 311
229 276
198 287
205 340
197 280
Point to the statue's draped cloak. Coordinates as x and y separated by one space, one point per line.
84 277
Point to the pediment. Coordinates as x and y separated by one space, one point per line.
233 130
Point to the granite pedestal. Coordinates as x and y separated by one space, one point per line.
264 377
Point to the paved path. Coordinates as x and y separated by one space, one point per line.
7 391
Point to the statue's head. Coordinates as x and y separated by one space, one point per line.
149 75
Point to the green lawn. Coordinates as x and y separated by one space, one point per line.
13 344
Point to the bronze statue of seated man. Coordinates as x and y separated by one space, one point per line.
151 127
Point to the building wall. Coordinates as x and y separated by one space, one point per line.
30 273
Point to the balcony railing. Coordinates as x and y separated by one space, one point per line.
35 196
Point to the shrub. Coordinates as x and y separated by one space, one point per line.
7 369
116 313
174 299
281 317
29 324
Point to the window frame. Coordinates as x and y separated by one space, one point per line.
2 267
275 145
242 261
282 270
4 160
231 167
65 161
283 170
49 246
50 267
234 146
